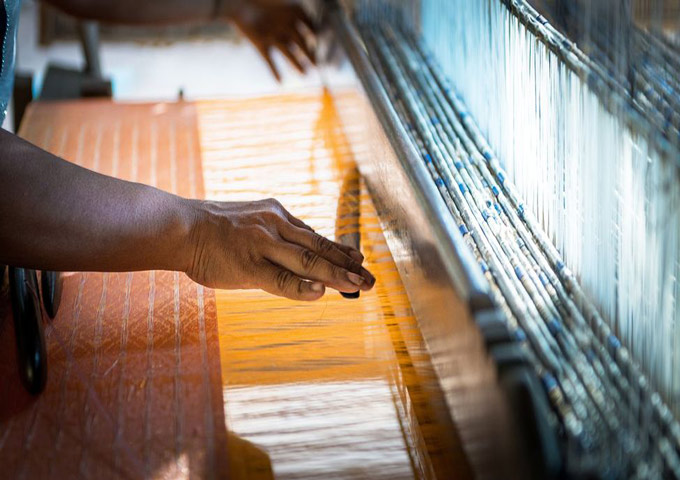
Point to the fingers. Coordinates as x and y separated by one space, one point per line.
338 255
307 264
351 252
285 49
264 51
284 283
304 18
281 27
290 217
335 252
297 222
299 40
322 246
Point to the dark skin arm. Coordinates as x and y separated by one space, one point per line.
147 12
268 24
57 216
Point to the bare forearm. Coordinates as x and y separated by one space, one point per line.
57 216
146 12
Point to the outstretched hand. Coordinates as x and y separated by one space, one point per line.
261 245
270 24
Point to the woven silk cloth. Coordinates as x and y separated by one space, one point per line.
133 385
152 376
337 388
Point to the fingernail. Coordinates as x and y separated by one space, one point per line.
355 279
370 279
316 287
356 255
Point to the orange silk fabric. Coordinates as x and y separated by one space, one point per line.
148 371
336 388
133 385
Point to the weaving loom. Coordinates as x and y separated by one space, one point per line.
511 171
539 142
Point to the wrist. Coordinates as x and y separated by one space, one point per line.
185 233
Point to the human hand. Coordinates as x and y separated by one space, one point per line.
275 24
260 245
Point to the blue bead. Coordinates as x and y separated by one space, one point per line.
463 229
554 326
549 381
518 272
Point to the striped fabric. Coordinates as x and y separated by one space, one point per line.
133 384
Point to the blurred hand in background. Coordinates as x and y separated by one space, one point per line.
272 24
